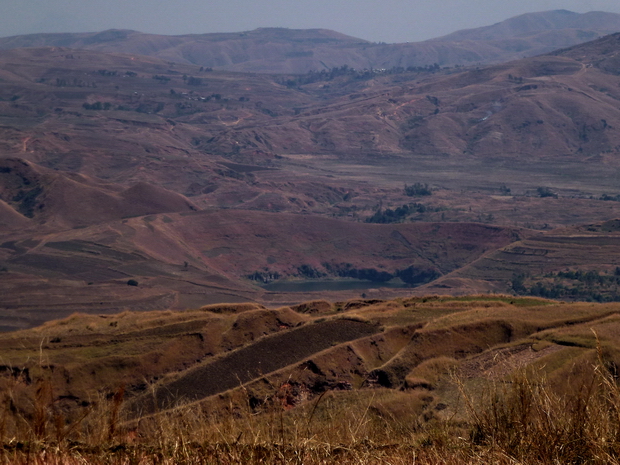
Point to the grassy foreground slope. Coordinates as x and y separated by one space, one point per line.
434 379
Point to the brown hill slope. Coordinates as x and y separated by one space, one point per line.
539 108
11 219
189 259
62 200
273 50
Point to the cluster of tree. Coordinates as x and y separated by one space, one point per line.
105 72
418 276
558 291
363 74
411 275
615 198
162 79
264 276
418 189
150 107
546 192
186 108
97 106
397 215
192 81
590 277
591 286
60 82
307 271
144 107
27 200
346 270
504 190
269 112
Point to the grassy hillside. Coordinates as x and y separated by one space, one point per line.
459 380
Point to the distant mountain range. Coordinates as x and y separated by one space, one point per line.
278 50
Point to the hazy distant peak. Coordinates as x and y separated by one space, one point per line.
301 34
530 23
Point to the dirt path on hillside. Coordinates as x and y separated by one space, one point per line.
499 363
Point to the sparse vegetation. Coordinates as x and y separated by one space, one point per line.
531 422
26 200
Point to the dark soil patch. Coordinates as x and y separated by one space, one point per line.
267 355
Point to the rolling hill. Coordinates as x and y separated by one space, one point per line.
206 186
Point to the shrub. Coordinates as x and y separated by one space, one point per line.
418 189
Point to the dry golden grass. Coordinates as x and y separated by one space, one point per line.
484 380
523 419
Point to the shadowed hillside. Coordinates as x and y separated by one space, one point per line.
62 200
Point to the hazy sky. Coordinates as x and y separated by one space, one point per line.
380 21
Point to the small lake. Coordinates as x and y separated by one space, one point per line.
320 285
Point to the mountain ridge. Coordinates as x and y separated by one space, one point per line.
281 50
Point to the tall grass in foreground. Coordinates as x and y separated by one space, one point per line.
522 420
532 423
